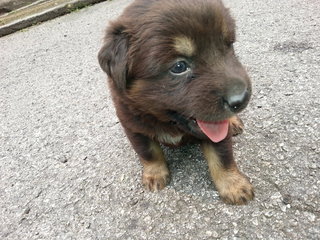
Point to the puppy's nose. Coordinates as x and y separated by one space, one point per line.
236 98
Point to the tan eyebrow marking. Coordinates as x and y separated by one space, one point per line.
184 45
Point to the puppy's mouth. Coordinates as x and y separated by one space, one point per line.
216 131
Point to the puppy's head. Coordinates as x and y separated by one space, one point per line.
175 59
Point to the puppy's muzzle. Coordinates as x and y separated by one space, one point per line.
237 96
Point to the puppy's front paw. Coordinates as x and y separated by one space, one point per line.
235 189
236 125
155 178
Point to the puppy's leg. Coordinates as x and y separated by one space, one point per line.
155 171
236 125
232 185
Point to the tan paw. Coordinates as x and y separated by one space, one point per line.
155 179
235 189
236 125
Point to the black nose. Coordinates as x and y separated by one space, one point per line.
236 98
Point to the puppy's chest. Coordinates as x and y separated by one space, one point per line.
169 139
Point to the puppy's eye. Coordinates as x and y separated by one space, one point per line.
179 67
229 42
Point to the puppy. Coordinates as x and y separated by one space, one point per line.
174 78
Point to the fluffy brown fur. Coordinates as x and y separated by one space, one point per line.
171 63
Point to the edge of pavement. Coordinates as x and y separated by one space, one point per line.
38 12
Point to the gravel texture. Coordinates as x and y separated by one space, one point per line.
68 172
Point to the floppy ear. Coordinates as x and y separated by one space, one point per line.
113 55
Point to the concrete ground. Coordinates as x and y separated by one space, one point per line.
67 170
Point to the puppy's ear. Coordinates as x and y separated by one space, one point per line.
113 55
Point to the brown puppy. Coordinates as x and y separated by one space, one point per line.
174 77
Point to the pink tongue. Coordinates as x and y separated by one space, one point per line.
216 131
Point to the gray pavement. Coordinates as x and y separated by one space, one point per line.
68 172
